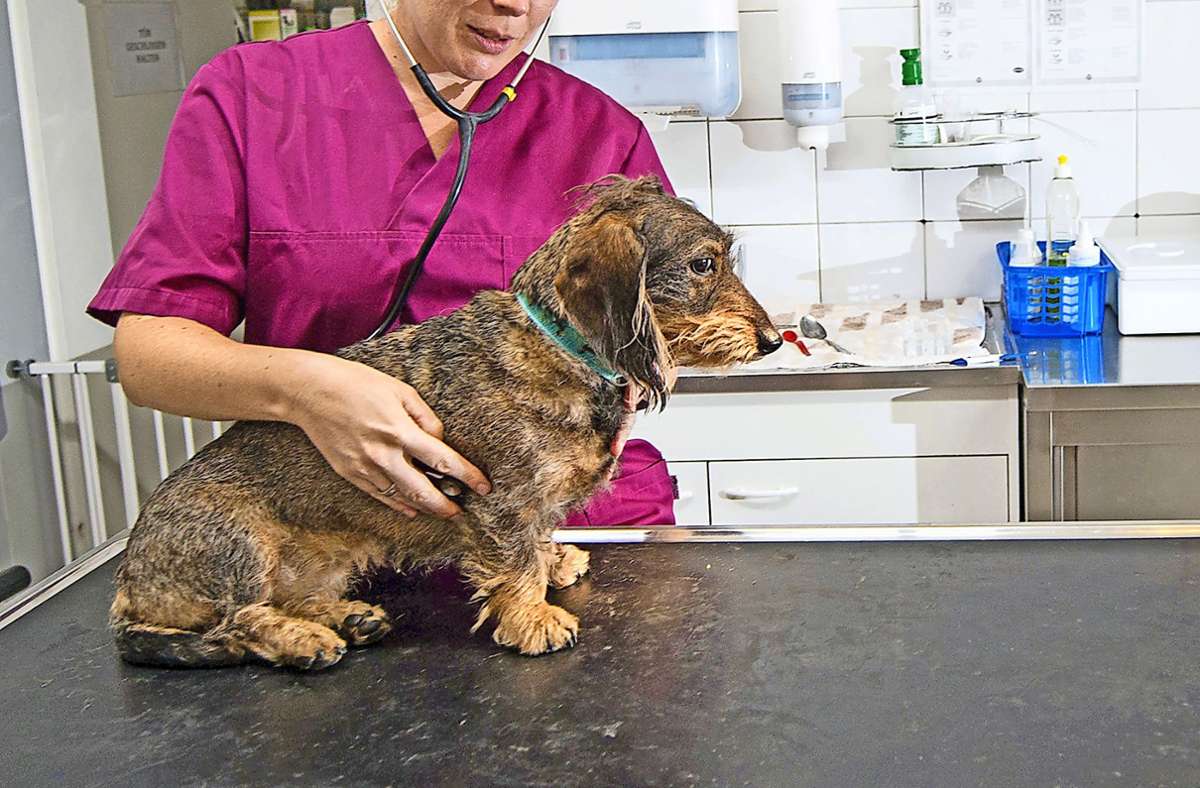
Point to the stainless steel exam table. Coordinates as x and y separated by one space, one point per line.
705 658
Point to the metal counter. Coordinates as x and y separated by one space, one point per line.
984 664
1112 425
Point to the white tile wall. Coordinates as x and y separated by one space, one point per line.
960 258
857 183
853 230
1102 147
1169 225
780 264
1168 161
683 148
1171 71
759 175
872 262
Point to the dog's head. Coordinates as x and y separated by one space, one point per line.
648 281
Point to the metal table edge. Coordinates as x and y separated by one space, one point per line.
49 587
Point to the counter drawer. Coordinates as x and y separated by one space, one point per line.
951 422
860 491
692 506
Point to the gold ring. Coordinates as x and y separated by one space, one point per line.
389 492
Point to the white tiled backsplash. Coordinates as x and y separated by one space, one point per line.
855 230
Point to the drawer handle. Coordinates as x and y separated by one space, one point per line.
686 495
759 495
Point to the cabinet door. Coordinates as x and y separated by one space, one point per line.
692 506
860 491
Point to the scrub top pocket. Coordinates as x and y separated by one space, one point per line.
328 290
517 249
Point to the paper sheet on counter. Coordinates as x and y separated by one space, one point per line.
875 334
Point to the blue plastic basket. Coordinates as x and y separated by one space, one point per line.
1063 361
1054 301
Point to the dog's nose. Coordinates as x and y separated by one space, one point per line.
769 341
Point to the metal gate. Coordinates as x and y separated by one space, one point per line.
80 376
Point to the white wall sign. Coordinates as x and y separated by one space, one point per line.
143 48
977 42
1024 44
1089 41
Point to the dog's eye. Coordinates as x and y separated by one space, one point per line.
705 265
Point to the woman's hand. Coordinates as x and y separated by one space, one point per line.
370 427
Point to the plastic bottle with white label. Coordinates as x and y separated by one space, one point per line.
916 115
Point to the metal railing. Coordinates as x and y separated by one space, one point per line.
80 375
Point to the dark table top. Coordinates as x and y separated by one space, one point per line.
952 664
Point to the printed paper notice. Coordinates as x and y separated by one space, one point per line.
978 42
143 48
1084 42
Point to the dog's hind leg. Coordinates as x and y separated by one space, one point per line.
360 623
148 644
280 639
319 568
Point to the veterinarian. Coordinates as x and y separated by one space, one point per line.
299 179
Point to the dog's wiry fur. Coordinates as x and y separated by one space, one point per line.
246 552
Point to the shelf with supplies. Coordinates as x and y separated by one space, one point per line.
275 20
964 141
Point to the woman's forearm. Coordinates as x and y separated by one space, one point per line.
183 367
369 426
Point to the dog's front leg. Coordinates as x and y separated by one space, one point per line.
513 590
567 564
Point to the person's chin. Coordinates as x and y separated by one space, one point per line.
479 66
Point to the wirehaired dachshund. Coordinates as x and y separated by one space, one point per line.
248 550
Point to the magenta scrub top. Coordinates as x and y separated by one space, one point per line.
297 183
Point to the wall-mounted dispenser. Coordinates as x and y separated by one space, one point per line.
662 58
810 48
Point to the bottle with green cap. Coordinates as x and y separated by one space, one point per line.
917 112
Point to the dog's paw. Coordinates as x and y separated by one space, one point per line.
311 647
572 564
537 630
363 624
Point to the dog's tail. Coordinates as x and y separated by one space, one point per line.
147 644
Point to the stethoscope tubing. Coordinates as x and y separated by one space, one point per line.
468 124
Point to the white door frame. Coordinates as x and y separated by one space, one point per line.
59 121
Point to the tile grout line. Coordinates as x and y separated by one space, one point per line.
817 212
712 186
1137 162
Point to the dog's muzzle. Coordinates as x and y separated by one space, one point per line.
769 342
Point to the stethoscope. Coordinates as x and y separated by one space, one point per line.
468 122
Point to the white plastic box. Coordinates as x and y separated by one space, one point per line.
1158 284
663 57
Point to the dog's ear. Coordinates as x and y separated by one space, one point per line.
602 285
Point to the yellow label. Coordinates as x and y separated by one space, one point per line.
265 26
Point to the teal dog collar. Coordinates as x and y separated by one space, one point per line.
567 338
